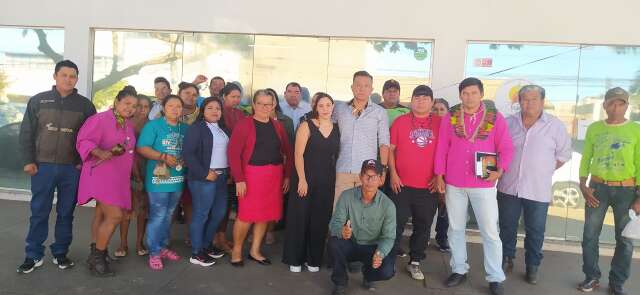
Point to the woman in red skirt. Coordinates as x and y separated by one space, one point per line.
260 158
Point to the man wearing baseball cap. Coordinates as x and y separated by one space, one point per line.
611 157
391 100
363 228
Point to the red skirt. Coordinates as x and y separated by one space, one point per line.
263 200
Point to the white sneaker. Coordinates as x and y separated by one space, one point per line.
414 270
295 268
312 268
203 260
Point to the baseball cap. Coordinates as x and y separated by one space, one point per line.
616 93
371 165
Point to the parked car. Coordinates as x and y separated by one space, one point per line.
566 184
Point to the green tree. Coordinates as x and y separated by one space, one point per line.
103 98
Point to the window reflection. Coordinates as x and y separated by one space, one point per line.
27 60
408 62
134 58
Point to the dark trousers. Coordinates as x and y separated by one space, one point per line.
620 199
442 224
345 251
307 227
535 219
62 178
421 205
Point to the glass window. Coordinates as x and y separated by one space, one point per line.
602 68
119 61
229 56
575 78
27 62
282 59
254 61
408 62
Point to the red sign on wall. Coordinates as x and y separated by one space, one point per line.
485 62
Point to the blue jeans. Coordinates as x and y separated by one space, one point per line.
161 207
535 220
620 199
485 206
209 201
345 251
50 177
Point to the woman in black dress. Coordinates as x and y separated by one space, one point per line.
309 211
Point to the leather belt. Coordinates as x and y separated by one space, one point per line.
624 183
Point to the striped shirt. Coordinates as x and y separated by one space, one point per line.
360 136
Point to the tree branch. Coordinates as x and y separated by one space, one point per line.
116 76
45 48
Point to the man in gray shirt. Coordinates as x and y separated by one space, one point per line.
364 127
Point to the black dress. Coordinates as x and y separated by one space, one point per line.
308 217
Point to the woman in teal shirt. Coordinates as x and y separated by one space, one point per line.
161 143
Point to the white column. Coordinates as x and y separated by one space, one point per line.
78 47
449 56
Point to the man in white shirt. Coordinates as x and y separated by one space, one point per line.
294 107
162 89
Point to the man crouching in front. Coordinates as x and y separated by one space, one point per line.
363 228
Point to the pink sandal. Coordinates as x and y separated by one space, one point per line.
155 262
169 254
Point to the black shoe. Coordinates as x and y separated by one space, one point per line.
92 249
339 290
589 285
532 275
616 290
496 288
401 253
443 246
265 261
63 262
455 279
507 264
29 265
99 266
237 263
368 285
202 259
215 252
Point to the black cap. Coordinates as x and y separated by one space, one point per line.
371 165
421 90
390 84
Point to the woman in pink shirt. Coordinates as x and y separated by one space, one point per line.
106 145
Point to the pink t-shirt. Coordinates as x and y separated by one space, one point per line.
455 156
415 141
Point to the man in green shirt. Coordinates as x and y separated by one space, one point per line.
363 228
612 157
391 100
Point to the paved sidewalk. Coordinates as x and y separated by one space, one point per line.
559 274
